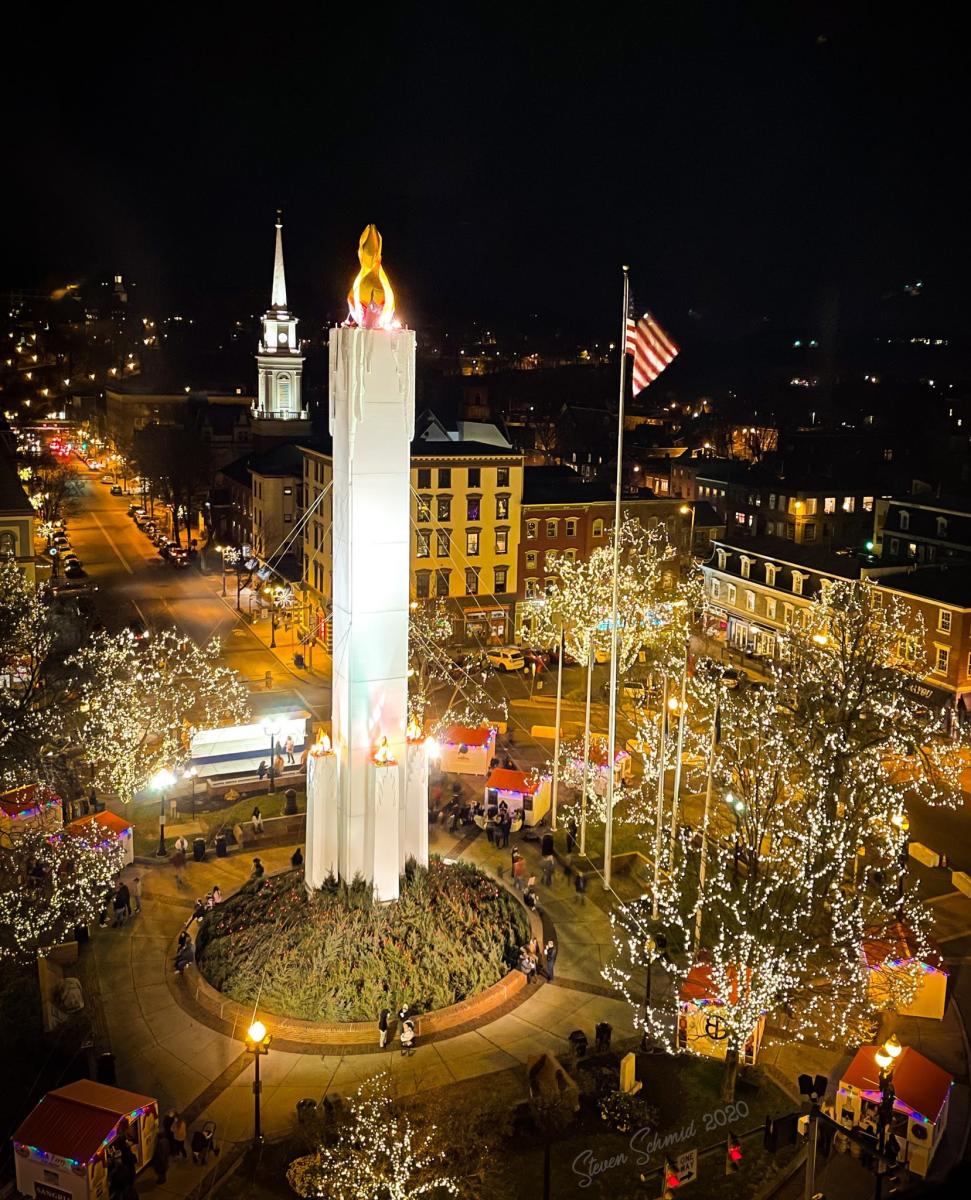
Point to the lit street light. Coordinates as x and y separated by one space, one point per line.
258 1044
161 781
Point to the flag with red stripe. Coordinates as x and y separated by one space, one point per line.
651 348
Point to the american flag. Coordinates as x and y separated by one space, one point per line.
651 347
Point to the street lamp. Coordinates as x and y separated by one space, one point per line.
272 729
886 1059
221 550
258 1044
161 781
684 510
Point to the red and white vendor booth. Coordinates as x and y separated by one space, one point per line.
467 750
522 792
104 828
901 979
701 1016
29 807
61 1149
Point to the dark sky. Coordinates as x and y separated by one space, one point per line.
776 163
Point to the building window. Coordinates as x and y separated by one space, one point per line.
740 518
8 543
942 527
797 582
809 531
423 543
424 512
502 508
444 477
715 589
811 506
722 559
849 504
571 527
750 602
772 500
502 477
473 508
732 593
895 545
502 576
442 582
475 477
746 567
551 528
787 615
770 528
471 581
424 477
770 607
502 541
771 570
423 584
532 589
472 543
941 658
532 529
444 507
904 520
944 620
598 528
531 560
868 504
829 504
444 543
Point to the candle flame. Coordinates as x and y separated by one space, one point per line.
371 298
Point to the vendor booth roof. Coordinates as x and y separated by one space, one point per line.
919 1083
699 987
73 1121
107 821
896 943
25 799
513 781
465 735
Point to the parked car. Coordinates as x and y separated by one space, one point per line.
729 676
117 490
135 511
178 556
61 541
70 559
538 657
74 571
506 658
628 689
138 629
107 479
568 659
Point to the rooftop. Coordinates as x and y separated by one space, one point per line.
828 560
949 585
13 498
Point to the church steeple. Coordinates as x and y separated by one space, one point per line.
278 299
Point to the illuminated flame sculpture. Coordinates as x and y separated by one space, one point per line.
382 755
323 745
371 298
413 733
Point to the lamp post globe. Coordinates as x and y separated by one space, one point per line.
160 782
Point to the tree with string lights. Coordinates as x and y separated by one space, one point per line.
379 1154
139 705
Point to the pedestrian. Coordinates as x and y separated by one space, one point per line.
167 1122
403 1013
136 891
530 899
407 1037
288 747
160 1158
278 764
202 1144
580 883
505 826
296 858
571 836
383 1027
518 870
185 954
549 955
182 843
261 771
217 895
258 869
199 911
178 862
179 1134
93 800
549 865
122 903
257 819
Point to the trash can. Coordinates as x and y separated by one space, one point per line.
221 845
199 849
105 1069
289 803
578 1042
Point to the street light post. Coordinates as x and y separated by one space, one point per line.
684 510
162 780
258 1044
901 823
221 550
272 730
886 1059
272 624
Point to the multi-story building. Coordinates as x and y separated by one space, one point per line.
465 518
759 587
18 520
923 529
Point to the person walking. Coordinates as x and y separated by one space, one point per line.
217 895
383 1027
288 749
518 870
178 862
160 1158
580 884
571 836
185 954
257 819
549 866
549 956
136 891
182 843
179 1134
506 827
122 905
262 769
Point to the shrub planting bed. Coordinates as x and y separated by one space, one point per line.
336 955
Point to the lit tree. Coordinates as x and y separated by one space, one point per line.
52 487
379 1154
431 668
48 885
140 705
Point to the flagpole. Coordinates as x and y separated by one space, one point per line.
618 488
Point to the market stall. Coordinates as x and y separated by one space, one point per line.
62 1149
467 750
523 793
701 1024
894 965
28 807
103 828
922 1092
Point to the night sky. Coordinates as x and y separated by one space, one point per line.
772 165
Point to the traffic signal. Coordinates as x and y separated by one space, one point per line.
672 1179
733 1154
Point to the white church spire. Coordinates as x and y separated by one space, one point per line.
279 297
